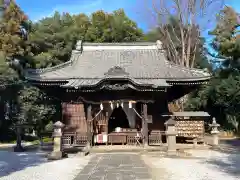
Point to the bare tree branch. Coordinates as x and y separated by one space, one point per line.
183 37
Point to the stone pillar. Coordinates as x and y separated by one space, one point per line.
18 147
145 125
215 132
57 142
171 137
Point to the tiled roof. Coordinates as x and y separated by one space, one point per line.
140 62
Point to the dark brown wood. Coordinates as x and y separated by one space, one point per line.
117 138
100 123
89 119
73 115
128 136
74 139
98 97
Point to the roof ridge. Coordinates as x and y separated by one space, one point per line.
118 43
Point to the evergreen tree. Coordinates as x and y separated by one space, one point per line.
53 38
222 96
227 38
12 32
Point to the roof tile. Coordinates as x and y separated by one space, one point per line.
140 64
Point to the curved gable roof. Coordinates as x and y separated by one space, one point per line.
92 62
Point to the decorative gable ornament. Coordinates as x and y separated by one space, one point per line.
116 71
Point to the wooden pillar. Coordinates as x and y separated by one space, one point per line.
145 125
89 119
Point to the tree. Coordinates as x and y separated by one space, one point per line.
12 42
222 96
181 39
179 25
200 61
226 40
8 94
53 38
35 107
18 103
112 27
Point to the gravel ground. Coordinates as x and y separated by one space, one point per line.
34 166
208 165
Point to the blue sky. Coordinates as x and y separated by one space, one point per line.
39 9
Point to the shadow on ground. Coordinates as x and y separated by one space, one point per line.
12 162
229 146
229 164
232 142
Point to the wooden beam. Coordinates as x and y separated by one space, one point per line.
89 112
145 124
89 118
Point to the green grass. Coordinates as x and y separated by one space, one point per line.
47 139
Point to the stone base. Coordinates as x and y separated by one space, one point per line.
55 155
215 147
83 153
18 149
172 153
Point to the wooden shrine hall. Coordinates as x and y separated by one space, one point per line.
116 93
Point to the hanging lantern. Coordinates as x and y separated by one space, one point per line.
101 106
122 104
117 105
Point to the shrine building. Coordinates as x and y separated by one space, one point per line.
112 91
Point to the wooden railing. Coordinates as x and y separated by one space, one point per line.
129 138
76 139
156 137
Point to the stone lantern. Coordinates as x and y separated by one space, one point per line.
171 137
18 147
57 141
19 129
215 132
